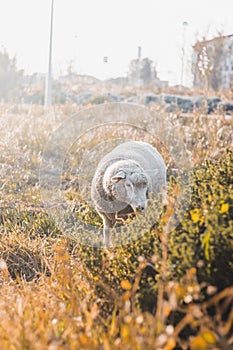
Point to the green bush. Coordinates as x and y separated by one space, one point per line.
206 232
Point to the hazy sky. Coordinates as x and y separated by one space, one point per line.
87 30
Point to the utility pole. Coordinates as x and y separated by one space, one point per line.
139 65
185 24
48 87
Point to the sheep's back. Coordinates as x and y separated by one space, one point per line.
146 156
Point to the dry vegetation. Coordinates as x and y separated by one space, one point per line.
164 290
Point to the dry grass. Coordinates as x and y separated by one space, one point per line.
58 294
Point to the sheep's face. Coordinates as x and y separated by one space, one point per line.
131 188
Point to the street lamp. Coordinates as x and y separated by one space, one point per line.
185 25
48 86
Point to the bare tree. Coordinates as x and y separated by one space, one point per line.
142 71
10 77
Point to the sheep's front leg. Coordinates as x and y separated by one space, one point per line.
107 241
108 225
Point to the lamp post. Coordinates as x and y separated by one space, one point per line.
48 86
185 24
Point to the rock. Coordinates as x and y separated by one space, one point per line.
200 102
170 108
133 99
227 107
168 99
213 104
151 98
114 98
80 99
185 104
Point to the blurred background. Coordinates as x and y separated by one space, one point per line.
82 51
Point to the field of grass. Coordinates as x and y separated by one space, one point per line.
166 288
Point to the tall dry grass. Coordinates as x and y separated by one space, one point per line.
58 294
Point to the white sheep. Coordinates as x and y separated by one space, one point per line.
123 180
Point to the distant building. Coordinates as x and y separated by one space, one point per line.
142 71
213 63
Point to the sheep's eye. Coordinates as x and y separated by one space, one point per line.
128 185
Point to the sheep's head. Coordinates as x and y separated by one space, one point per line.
130 186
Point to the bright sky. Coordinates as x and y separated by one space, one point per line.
87 30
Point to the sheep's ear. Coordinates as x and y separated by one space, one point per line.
118 176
